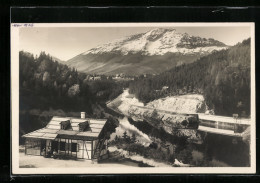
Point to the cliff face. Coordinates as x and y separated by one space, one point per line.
169 121
180 125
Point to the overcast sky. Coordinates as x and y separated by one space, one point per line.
67 42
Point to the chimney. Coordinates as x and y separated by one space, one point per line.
83 115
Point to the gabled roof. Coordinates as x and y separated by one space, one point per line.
43 133
52 130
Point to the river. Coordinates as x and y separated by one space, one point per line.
213 150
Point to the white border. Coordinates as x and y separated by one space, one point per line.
128 170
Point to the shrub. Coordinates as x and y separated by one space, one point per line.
74 90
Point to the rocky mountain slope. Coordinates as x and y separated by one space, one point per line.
152 52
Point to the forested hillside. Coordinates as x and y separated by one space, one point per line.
45 83
223 77
48 88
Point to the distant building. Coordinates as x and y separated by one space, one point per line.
97 78
165 87
69 137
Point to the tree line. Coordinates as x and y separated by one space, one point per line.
223 78
45 83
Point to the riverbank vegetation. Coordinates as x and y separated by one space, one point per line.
215 151
129 144
212 149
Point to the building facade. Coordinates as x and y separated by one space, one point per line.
70 138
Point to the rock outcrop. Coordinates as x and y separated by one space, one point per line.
172 122
169 121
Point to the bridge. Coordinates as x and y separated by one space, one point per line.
224 119
219 131
223 125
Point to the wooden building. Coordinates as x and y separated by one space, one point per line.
68 137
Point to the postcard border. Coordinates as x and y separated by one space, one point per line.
129 170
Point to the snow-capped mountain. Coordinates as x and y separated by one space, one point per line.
159 42
152 52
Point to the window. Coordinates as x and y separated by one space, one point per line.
62 146
74 147
83 126
64 125
54 145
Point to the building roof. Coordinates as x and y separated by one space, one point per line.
52 130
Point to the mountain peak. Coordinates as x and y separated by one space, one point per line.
160 30
152 52
159 41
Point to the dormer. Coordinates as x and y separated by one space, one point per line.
84 126
64 125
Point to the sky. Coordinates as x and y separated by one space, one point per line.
67 42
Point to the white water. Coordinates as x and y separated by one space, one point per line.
128 101
124 125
